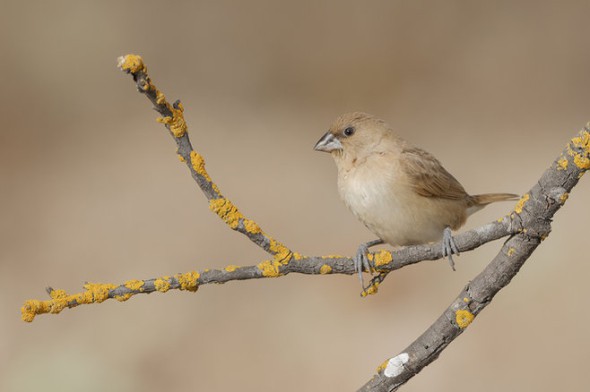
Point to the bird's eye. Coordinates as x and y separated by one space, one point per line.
349 131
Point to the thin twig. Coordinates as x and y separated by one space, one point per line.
173 119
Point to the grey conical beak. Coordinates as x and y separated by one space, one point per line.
328 143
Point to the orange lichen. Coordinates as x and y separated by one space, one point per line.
371 290
131 63
562 163
579 148
297 256
160 98
176 122
563 197
251 226
331 257
95 292
463 318
162 284
135 285
325 269
382 367
520 205
270 268
123 297
281 252
188 281
198 164
226 211
382 258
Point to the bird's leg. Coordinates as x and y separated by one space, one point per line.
362 260
449 247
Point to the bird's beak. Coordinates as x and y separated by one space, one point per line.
328 143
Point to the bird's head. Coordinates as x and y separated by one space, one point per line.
354 135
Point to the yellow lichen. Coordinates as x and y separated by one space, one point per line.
329 257
131 63
382 258
251 226
58 294
31 308
135 285
520 205
325 269
581 161
162 284
198 164
582 155
188 281
231 268
562 163
94 292
382 367
466 300
270 268
59 301
123 297
463 318
371 290
176 122
181 158
510 251
160 98
281 253
563 197
97 292
226 211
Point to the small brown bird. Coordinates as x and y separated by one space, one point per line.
400 192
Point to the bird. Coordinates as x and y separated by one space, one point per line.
400 192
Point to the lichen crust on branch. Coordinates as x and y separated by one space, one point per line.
100 292
173 119
528 224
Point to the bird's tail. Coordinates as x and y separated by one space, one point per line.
487 198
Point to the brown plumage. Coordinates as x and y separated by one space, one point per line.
400 192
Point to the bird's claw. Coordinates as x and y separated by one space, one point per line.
361 260
449 247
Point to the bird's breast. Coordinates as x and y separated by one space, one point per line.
380 196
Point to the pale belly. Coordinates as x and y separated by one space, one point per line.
396 214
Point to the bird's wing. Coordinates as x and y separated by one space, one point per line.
428 177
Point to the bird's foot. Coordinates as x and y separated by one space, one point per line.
449 247
361 260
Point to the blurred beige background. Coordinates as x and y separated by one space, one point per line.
91 189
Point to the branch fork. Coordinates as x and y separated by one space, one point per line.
526 226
